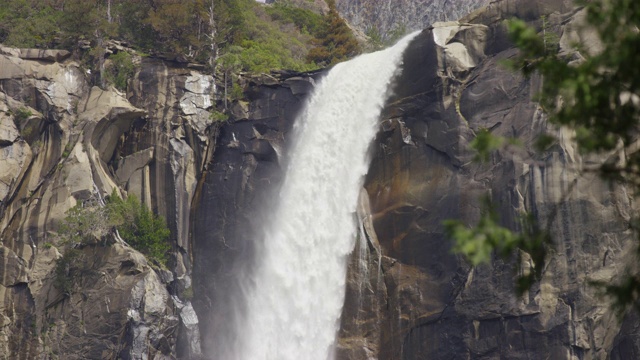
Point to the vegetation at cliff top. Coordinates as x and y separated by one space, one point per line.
600 100
121 69
378 42
257 38
336 41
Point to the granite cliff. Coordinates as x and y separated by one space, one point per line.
388 16
63 141
410 297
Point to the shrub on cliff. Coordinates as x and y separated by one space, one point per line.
120 69
66 267
140 227
85 223
88 222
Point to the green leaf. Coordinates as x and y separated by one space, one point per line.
484 143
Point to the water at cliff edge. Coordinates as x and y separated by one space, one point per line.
296 295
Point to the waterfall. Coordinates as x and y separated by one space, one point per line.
296 295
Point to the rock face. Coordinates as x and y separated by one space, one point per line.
386 16
408 296
63 142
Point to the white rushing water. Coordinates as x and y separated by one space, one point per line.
297 292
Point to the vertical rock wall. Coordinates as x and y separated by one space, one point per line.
63 142
433 304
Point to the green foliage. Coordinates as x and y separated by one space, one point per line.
597 96
64 271
484 143
377 41
375 38
134 26
22 114
259 44
305 20
85 19
178 25
120 70
237 92
187 294
218 116
598 104
262 38
67 150
256 38
140 227
28 23
396 34
85 223
550 40
336 41
478 243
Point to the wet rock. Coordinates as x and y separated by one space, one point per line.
300 86
244 172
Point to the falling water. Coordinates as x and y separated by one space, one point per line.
297 292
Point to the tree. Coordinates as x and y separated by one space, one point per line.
132 15
140 227
28 23
336 41
92 220
180 25
598 97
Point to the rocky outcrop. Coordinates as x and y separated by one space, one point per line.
408 296
64 142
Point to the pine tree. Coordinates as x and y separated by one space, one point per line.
336 41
